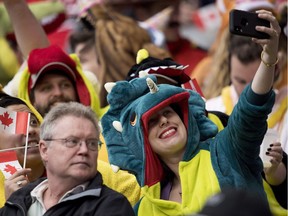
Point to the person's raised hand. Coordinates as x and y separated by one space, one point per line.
275 173
16 181
270 46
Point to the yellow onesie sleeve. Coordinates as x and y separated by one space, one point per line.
2 193
122 182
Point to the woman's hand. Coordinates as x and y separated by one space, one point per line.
264 77
270 46
275 174
16 181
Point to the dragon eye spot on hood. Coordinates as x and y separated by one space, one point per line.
133 119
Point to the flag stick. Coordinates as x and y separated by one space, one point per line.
16 148
26 142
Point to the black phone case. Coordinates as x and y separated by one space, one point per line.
243 23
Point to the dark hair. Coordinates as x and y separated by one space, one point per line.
81 35
244 48
7 100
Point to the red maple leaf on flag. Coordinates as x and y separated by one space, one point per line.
6 120
10 169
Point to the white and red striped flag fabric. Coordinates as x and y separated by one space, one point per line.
9 163
14 122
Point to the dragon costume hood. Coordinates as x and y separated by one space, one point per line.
125 125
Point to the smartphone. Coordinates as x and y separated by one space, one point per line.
244 22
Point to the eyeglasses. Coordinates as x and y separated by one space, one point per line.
71 142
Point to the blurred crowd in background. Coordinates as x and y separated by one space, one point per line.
188 29
107 34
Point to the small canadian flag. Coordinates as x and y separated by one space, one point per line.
9 163
13 122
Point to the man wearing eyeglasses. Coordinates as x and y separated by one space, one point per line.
69 148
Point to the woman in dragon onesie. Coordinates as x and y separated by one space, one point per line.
161 134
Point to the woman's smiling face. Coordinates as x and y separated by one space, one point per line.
167 133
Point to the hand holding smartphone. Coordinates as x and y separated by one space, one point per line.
244 23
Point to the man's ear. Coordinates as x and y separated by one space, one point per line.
43 147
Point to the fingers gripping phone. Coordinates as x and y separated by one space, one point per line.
244 22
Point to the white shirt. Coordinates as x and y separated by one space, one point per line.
38 207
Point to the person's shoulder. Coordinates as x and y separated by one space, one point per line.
120 181
115 201
107 191
105 169
123 182
114 196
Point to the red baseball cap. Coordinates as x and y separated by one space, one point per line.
50 59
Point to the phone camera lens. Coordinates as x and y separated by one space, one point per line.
244 22
238 29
